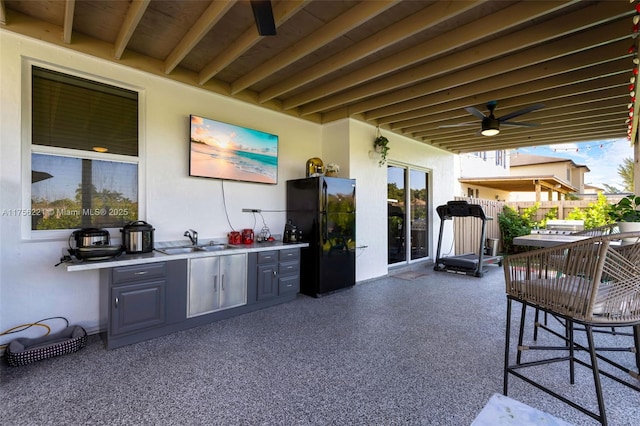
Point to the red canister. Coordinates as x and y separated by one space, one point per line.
247 236
234 237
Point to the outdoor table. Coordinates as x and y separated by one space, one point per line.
547 240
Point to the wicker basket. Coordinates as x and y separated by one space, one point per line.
24 351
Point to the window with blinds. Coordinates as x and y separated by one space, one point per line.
84 152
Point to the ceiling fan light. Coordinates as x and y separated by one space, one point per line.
490 132
490 126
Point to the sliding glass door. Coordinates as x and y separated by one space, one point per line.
407 219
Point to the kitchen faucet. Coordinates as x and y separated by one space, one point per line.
193 236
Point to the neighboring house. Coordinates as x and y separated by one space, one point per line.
538 165
487 163
527 177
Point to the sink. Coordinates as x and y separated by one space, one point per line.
193 249
213 247
178 250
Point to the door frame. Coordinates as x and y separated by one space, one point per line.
429 208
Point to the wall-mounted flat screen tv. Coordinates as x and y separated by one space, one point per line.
226 151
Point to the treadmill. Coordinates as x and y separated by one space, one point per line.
469 263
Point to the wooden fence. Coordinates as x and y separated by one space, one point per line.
468 230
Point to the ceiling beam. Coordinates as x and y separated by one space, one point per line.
499 22
282 11
67 26
134 14
329 32
215 12
468 72
471 133
526 81
550 130
599 136
3 13
609 107
552 98
584 67
395 33
566 117
601 132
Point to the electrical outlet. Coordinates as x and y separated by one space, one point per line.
251 210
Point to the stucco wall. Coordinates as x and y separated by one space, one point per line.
31 288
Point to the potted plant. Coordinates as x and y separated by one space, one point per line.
626 213
381 146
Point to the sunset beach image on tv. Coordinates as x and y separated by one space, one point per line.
226 151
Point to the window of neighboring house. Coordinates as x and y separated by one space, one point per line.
482 155
500 154
84 152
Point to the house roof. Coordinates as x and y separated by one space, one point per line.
518 159
410 67
522 183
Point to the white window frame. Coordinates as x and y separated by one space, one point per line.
27 234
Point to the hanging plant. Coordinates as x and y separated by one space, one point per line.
381 146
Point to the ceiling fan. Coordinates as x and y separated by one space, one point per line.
491 124
263 15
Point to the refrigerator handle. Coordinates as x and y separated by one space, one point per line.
323 212
324 232
323 201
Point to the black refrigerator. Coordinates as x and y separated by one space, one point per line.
324 209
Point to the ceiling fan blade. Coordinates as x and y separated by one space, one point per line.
458 125
475 111
530 108
514 123
263 14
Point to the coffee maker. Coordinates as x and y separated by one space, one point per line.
291 233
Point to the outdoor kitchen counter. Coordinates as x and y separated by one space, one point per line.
155 256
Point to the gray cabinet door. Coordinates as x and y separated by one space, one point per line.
233 280
204 285
137 306
267 281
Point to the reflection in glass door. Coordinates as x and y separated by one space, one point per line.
407 214
396 214
418 211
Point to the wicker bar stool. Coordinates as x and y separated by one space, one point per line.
591 283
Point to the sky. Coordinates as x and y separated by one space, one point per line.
602 158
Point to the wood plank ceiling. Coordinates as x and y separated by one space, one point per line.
410 67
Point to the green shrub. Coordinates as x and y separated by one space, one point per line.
512 225
595 214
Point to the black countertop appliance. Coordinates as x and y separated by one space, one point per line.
92 244
324 212
137 237
88 237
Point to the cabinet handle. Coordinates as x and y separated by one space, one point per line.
274 273
140 272
215 283
116 302
222 282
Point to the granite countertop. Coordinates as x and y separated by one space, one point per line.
156 256
504 411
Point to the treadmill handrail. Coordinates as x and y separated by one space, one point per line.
460 209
